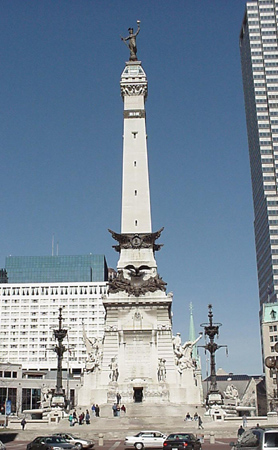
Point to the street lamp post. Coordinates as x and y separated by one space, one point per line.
58 398
212 330
271 363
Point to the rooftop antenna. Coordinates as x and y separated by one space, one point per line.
57 249
53 244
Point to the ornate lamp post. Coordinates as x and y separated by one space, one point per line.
60 333
212 330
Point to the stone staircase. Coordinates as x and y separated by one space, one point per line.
139 416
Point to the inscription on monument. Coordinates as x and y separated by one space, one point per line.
137 348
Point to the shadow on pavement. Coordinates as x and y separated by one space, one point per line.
6 437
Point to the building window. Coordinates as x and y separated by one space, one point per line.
31 398
10 394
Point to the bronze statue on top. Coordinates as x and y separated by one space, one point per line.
132 42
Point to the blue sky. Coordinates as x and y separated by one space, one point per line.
61 147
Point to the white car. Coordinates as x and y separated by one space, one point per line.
77 441
147 439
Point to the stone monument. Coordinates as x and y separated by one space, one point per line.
139 357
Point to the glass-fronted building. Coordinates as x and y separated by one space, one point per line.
259 59
56 269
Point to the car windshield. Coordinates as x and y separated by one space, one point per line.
271 439
172 437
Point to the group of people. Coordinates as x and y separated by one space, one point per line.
117 407
95 410
196 417
83 417
241 430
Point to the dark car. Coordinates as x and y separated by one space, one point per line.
181 441
50 443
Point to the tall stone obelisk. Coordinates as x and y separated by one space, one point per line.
140 359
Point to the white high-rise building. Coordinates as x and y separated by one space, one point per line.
29 313
259 58
29 309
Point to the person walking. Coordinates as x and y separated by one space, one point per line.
23 423
200 423
240 431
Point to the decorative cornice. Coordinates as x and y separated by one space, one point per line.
137 240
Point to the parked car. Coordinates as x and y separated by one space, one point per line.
257 439
77 441
146 439
49 443
181 441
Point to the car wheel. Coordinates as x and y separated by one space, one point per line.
138 445
78 445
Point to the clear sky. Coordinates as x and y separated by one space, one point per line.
61 147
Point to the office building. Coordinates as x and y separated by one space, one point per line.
29 307
259 58
56 269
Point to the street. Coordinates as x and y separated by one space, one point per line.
222 444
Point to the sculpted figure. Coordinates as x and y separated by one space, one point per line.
132 42
94 352
114 374
231 392
46 397
161 372
183 354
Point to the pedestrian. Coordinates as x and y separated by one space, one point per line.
94 410
200 423
196 416
114 409
118 410
71 420
244 421
87 417
240 431
81 418
23 423
123 408
74 418
97 410
118 398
